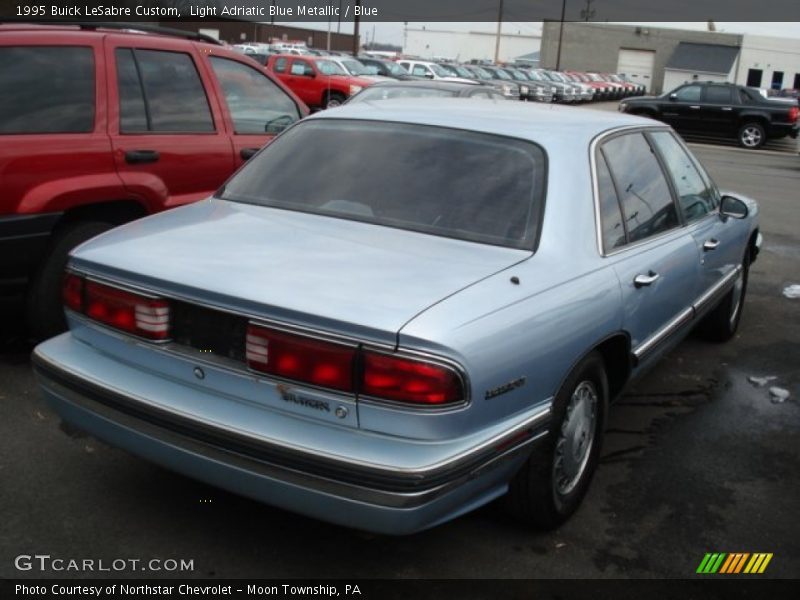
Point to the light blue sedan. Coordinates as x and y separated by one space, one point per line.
398 312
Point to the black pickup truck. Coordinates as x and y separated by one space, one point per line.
720 108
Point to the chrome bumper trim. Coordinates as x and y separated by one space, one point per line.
374 484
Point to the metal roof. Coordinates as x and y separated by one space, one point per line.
547 124
703 58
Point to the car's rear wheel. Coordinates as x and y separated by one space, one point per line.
752 135
721 323
551 484
44 310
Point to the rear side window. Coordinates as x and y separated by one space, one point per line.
718 94
445 182
47 89
643 191
256 104
170 93
280 65
610 211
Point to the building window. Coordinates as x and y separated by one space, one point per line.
754 77
777 80
797 81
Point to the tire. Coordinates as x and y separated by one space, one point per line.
333 99
550 486
721 323
752 135
44 310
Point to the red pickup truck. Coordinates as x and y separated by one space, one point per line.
100 126
319 81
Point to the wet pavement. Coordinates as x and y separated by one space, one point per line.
697 459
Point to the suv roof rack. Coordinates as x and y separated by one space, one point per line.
91 25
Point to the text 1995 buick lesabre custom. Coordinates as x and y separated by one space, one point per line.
397 312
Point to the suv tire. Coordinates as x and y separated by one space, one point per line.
752 135
44 311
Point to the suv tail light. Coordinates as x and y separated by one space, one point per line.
409 380
121 309
351 369
793 112
326 364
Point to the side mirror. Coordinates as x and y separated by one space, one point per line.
429 75
733 207
673 97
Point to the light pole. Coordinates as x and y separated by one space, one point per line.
561 33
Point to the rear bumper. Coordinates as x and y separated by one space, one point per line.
23 240
779 130
393 499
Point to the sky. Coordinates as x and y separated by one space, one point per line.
392 33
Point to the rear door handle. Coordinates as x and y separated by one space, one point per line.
246 153
134 157
727 108
645 280
695 107
711 245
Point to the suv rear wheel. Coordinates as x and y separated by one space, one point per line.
752 135
333 99
45 313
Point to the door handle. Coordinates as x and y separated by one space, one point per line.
134 157
711 245
644 280
247 153
727 108
695 107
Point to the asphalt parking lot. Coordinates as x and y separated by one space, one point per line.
697 460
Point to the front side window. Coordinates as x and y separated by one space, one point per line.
302 68
166 87
690 93
46 89
465 185
694 195
643 191
256 104
419 71
328 67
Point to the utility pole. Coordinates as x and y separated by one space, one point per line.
355 29
499 32
561 33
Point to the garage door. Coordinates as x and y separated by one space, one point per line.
637 65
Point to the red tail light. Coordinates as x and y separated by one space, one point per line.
72 292
406 380
793 112
127 311
326 364
334 366
121 309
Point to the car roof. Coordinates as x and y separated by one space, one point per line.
454 86
546 124
118 28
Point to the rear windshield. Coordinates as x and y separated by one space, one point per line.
459 184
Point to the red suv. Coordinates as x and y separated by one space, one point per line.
99 127
319 81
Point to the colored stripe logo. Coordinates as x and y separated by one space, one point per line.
734 563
